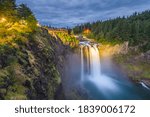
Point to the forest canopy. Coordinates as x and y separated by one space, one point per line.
134 28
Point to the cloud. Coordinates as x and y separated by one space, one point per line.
62 13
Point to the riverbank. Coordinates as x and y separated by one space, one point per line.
135 65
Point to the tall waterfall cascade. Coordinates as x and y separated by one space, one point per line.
91 67
90 61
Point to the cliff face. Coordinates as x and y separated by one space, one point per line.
33 70
134 64
130 60
109 50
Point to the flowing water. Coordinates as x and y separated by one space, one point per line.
100 85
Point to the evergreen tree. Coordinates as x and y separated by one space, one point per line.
24 11
26 14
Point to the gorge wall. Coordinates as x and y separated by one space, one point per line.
33 70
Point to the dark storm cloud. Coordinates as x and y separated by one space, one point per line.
72 12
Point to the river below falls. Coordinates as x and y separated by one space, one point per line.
120 91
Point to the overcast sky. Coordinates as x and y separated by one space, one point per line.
62 13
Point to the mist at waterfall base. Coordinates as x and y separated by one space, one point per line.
99 77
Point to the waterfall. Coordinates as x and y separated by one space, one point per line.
91 67
93 61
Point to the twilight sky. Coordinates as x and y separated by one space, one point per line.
62 13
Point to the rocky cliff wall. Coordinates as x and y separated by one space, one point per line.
33 69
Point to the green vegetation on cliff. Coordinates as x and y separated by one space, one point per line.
65 36
68 39
28 60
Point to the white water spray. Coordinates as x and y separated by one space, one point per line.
94 75
144 85
82 63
